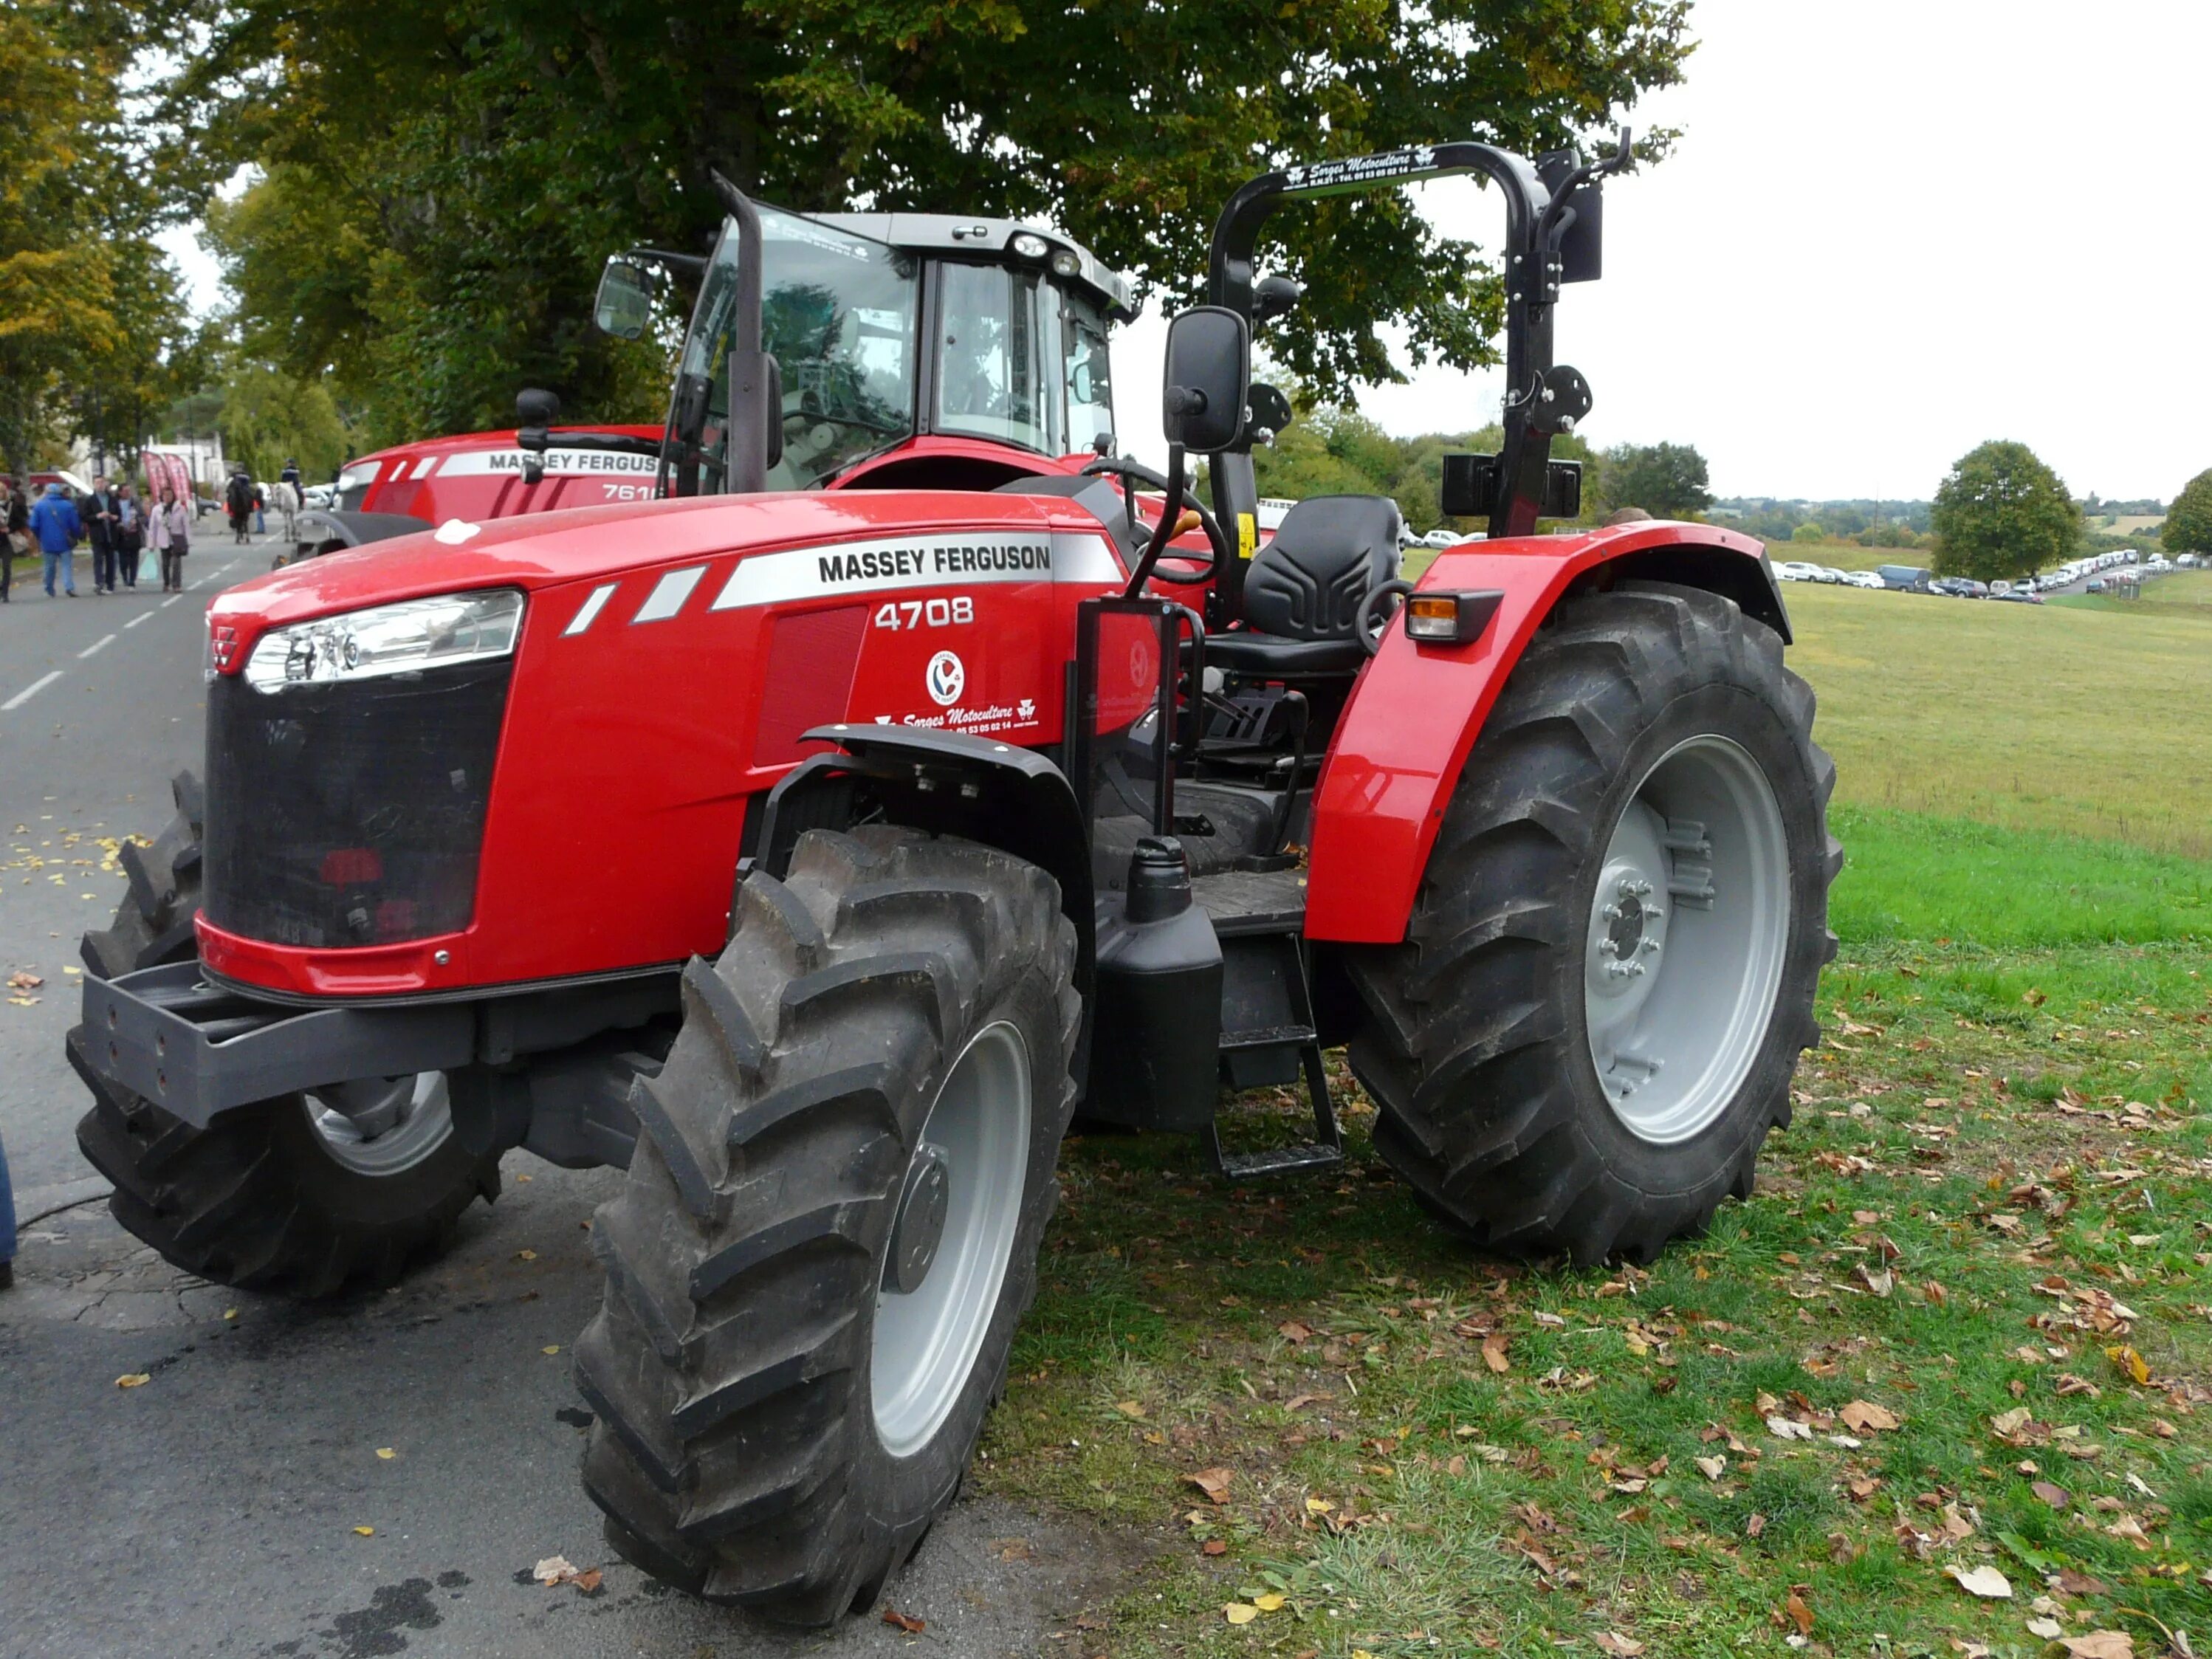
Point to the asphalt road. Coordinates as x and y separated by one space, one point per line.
216 1508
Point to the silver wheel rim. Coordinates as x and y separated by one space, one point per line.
382 1125
927 1338
1687 932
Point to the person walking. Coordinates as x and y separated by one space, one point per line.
101 519
168 532
6 1225
238 497
129 533
260 511
54 522
14 534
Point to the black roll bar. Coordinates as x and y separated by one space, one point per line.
1541 254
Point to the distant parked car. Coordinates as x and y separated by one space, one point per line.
319 495
1835 578
1863 579
1797 570
2096 585
2023 594
1908 577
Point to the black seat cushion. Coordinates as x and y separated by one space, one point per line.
1263 656
1329 554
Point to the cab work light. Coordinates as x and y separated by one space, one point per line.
1436 617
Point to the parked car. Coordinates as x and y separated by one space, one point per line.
1908 577
1797 570
2023 594
2097 585
1863 579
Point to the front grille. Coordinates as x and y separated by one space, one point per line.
349 813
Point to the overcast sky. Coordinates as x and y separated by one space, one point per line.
1892 229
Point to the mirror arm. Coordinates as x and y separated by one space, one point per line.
1164 532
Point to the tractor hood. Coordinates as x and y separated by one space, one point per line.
583 544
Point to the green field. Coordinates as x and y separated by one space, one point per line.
1986 1222
2090 719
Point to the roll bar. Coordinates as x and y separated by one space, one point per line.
1553 237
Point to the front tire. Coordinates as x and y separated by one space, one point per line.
291 1194
1611 964
830 1225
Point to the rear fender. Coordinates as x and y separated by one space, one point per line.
1417 709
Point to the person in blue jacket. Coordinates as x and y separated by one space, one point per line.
55 523
6 1225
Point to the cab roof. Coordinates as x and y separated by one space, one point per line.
962 233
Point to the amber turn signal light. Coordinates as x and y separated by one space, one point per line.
1450 619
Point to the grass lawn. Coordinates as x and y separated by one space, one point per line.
2090 721
2185 590
1962 1329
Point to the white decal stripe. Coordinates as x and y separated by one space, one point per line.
589 613
938 561
479 462
668 595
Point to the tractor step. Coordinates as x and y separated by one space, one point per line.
1268 1037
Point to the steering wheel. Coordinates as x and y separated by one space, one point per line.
1224 554
1375 616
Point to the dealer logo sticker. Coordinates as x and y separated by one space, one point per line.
946 678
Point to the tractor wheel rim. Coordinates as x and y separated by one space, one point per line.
1687 932
385 1125
927 1337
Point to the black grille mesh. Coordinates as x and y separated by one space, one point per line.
349 813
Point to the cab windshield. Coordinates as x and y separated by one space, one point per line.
837 311
1020 360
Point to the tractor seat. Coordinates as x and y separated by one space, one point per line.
1304 592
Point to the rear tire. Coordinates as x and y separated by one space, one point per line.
779 1421
283 1195
1637 719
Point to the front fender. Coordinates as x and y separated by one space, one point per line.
1417 709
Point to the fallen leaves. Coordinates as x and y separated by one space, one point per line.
24 981
1865 1416
2100 1645
2057 1496
905 1621
1494 1354
1799 1610
1240 1612
1213 1482
1712 1468
133 1380
1985 1582
365 1532
386 1453
1613 1642
2130 1364
558 1570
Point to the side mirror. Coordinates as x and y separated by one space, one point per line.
1273 297
624 306
1209 365
535 411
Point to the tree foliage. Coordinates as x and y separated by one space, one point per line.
1333 450
2188 528
1667 481
2001 512
444 177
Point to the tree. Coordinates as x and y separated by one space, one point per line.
2001 512
456 170
1667 481
2188 527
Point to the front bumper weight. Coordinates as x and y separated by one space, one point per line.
195 1049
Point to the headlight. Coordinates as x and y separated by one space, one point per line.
393 638
1029 246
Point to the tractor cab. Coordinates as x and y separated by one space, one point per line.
894 349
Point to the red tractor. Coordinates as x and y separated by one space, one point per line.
816 856
1020 388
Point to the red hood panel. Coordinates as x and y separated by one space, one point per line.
545 549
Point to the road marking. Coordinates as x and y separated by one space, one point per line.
140 617
166 604
28 692
96 647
